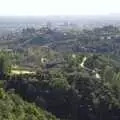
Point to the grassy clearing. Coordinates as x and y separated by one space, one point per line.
17 70
22 72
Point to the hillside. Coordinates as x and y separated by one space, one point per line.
12 107
73 74
84 86
97 40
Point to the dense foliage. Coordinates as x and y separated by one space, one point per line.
12 107
76 75
73 92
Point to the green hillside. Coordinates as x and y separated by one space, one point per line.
12 107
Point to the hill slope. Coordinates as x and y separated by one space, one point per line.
12 107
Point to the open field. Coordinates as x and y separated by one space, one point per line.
21 72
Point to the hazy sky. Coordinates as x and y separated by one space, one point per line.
58 7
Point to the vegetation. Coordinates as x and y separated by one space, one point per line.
73 92
72 74
12 107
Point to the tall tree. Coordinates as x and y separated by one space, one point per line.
4 65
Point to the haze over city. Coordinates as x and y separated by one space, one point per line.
58 7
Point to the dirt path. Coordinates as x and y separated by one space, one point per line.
97 75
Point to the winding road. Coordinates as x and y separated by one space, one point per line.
97 75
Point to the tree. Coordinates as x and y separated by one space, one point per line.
4 65
108 74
